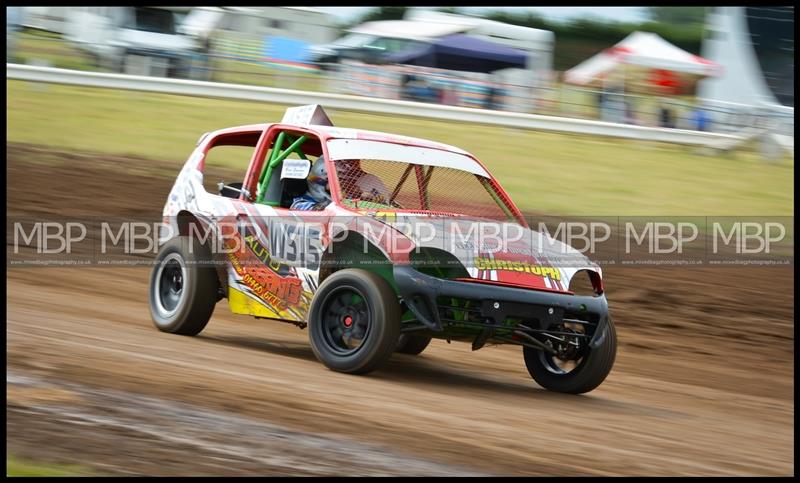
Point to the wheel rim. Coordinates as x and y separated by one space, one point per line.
169 284
346 320
571 352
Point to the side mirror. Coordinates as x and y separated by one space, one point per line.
230 191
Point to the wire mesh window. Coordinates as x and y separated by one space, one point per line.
392 185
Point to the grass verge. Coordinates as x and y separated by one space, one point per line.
18 467
543 172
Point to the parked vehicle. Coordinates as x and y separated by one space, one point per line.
370 49
134 40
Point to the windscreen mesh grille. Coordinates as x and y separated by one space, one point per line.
401 186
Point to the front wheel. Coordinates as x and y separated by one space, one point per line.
354 321
576 368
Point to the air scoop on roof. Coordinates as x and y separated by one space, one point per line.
305 115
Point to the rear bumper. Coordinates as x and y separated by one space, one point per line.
420 292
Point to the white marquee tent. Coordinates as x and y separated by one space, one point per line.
645 50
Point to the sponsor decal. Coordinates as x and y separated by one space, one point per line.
261 274
517 266
295 244
384 216
261 252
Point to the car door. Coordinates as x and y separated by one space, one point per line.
273 275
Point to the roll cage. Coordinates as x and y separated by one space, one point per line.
280 140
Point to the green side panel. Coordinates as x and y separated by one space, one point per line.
373 261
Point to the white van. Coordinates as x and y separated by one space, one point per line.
134 40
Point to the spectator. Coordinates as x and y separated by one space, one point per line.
600 100
448 95
630 113
665 117
417 89
493 97
701 119
613 106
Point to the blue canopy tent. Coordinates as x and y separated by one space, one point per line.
464 53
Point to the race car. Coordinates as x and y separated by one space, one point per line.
418 241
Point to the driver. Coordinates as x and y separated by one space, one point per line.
318 195
357 184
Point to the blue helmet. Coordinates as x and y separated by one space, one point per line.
317 180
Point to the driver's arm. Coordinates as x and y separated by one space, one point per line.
307 204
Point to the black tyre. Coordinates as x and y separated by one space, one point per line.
183 293
579 370
354 321
412 344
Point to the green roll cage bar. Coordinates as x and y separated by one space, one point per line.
275 158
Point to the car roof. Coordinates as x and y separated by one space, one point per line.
331 132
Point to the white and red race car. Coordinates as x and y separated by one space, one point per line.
419 241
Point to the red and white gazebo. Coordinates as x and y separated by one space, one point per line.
645 52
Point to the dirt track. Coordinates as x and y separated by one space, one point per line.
703 383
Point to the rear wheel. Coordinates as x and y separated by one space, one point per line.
354 321
183 292
576 368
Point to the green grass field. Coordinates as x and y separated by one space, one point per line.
39 47
46 48
18 467
543 172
